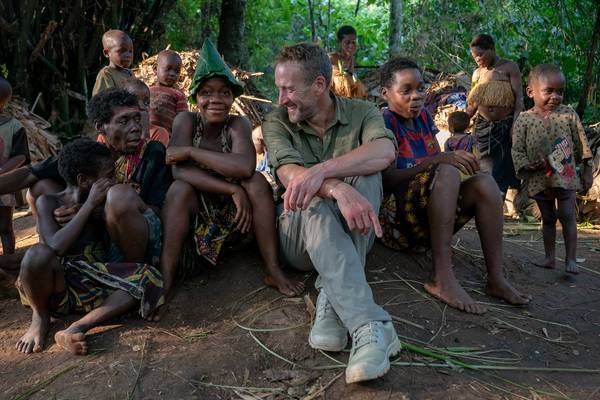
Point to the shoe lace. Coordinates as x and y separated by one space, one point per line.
367 334
323 307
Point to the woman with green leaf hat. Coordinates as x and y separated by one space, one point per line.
217 191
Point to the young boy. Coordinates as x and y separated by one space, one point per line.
14 152
458 122
140 90
71 271
118 48
549 145
166 101
426 201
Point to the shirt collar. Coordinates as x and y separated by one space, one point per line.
340 115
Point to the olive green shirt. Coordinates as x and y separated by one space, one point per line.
356 122
111 77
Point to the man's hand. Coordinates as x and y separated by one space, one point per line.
62 215
587 179
97 195
466 162
357 210
243 216
301 189
176 154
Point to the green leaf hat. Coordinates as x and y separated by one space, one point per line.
209 65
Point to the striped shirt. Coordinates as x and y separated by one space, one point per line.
165 104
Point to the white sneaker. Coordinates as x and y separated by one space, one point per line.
372 346
328 332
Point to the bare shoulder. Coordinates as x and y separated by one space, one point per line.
509 66
240 124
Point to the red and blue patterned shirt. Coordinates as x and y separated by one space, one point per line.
414 145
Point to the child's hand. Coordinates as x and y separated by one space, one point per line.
587 179
98 193
536 166
63 214
177 154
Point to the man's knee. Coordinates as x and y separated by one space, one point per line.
120 200
36 259
367 185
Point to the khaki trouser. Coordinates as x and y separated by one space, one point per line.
319 238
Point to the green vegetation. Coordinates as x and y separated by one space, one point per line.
436 33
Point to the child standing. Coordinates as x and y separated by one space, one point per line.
118 48
458 122
14 152
549 144
166 101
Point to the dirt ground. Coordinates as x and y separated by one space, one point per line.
227 337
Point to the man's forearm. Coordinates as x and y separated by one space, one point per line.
287 172
367 159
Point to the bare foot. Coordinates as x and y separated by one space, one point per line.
451 293
33 341
289 287
72 340
505 291
548 263
571 267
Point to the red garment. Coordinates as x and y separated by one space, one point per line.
165 104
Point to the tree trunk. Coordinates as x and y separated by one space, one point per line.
311 17
53 48
231 31
587 78
395 44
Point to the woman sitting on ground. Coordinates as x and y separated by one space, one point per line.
217 191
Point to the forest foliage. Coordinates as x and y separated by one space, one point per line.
436 33
51 50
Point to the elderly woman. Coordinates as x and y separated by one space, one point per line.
217 194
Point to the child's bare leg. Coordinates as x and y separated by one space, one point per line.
441 213
125 222
7 234
568 221
9 268
181 204
73 340
38 188
481 194
549 218
41 276
263 219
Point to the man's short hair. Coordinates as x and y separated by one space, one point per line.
387 70
458 121
312 57
101 107
82 156
345 30
542 70
483 41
